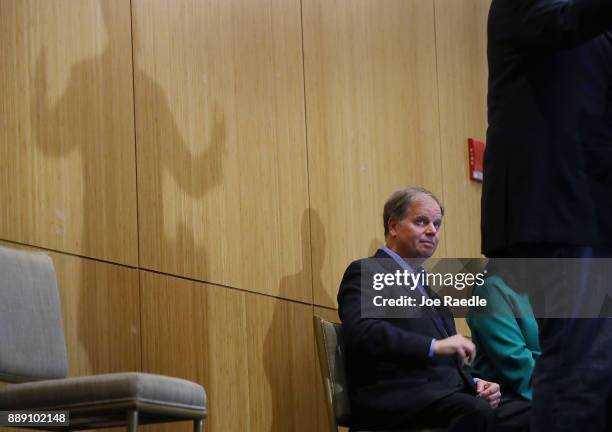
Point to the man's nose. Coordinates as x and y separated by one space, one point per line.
431 229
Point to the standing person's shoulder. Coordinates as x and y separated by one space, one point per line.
554 24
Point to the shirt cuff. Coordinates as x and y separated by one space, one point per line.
431 348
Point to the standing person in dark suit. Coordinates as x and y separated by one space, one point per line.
410 372
548 182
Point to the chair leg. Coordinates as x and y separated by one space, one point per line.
132 421
198 425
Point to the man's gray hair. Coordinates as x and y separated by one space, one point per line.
399 202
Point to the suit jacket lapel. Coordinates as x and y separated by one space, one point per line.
391 266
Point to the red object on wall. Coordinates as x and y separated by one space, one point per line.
476 152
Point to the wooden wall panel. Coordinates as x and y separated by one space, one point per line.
221 142
461 39
67 158
101 313
253 354
372 118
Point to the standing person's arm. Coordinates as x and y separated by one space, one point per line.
552 24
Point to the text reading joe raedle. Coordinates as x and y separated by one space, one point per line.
413 280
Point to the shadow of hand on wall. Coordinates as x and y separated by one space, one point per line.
174 177
89 119
177 179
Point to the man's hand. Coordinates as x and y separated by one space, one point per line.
455 345
489 391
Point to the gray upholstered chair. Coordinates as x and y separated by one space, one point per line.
33 358
331 356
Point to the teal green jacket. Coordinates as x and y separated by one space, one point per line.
506 337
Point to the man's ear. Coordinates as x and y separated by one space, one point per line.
392 224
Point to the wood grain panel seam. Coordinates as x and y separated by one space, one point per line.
61 252
185 278
135 137
440 144
312 293
242 290
331 309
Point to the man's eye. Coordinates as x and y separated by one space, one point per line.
420 221
437 224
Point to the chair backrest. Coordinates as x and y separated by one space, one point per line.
331 356
32 344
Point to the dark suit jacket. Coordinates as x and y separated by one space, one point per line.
390 375
548 160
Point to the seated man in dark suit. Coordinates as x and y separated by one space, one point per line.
411 372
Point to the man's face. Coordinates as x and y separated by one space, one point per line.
417 234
